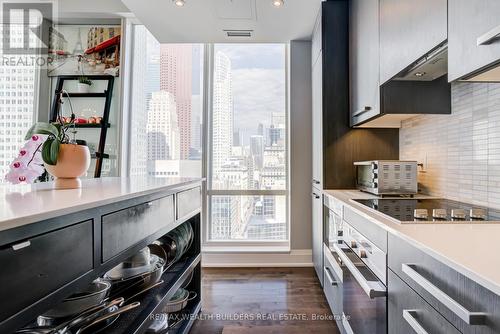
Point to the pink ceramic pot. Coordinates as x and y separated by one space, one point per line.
73 161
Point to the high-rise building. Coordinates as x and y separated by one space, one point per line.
176 61
196 126
162 127
257 150
222 118
17 87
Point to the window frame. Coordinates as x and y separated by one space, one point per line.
224 246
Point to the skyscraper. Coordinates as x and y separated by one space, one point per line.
17 87
162 127
222 118
176 61
257 150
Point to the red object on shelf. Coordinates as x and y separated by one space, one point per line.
80 120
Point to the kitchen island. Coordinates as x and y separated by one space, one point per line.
54 242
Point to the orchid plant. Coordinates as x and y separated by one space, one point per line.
42 147
28 165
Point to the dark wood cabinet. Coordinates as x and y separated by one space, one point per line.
407 312
472 27
364 59
464 303
35 267
408 30
124 228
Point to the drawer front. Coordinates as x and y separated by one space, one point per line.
332 283
188 201
33 268
409 313
367 228
124 228
468 306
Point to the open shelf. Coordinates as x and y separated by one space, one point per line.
90 125
139 319
86 94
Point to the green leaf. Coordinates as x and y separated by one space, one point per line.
54 150
42 128
46 151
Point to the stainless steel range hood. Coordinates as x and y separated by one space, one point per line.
431 66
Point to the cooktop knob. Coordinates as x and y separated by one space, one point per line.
420 214
479 214
458 213
439 213
353 244
362 254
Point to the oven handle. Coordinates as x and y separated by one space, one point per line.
413 322
470 318
373 289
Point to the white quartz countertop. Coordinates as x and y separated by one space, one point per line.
26 204
471 249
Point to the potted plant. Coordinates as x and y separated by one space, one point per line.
63 158
84 84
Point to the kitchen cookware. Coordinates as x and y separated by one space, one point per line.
158 250
124 271
144 291
141 259
93 295
89 328
177 242
129 285
179 300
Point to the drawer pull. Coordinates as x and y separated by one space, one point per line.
373 289
21 245
471 318
330 277
489 37
408 315
315 195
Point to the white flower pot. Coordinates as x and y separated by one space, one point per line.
83 88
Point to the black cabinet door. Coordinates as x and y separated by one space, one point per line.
364 59
468 21
408 30
33 268
125 228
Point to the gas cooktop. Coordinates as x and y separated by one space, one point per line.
413 210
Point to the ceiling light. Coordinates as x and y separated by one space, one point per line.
420 74
278 3
179 3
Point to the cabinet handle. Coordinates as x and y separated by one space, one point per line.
21 245
408 315
489 37
373 289
470 318
361 112
330 277
316 181
315 195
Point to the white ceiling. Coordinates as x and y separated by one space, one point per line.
204 21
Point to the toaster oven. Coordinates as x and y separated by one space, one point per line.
387 177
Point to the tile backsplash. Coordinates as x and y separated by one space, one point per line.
461 151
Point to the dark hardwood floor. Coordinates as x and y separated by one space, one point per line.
262 300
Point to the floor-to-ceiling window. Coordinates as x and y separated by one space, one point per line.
165 107
18 93
240 90
247 160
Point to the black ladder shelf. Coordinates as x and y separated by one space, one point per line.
104 125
